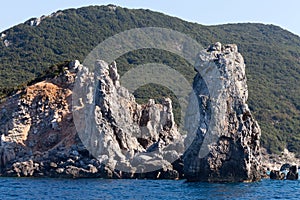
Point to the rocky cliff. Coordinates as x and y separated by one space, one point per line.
115 136
83 123
225 149
124 135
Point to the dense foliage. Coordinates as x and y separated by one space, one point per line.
272 56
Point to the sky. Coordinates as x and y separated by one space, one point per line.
284 13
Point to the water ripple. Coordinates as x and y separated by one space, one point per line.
31 188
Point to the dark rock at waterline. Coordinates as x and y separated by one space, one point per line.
276 175
293 173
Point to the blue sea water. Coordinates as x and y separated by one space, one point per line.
44 188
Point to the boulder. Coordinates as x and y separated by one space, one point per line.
276 175
23 169
293 173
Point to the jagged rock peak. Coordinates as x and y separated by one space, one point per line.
233 149
120 131
128 140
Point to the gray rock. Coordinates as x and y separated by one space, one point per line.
3 35
54 165
23 169
60 170
37 21
225 146
7 43
117 129
74 65
92 169
7 154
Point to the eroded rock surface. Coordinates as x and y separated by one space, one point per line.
224 149
85 124
118 137
119 132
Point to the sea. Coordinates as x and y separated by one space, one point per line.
50 188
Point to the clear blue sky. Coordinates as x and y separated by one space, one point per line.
285 13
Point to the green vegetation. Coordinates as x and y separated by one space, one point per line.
272 56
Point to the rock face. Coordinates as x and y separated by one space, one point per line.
233 152
121 138
85 124
35 124
124 135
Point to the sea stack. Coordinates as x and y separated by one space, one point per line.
226 150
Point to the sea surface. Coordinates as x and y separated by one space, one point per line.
49 188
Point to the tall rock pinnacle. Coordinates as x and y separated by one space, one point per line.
233 155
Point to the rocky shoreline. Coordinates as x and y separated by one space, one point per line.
104 133
278 166
77 163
